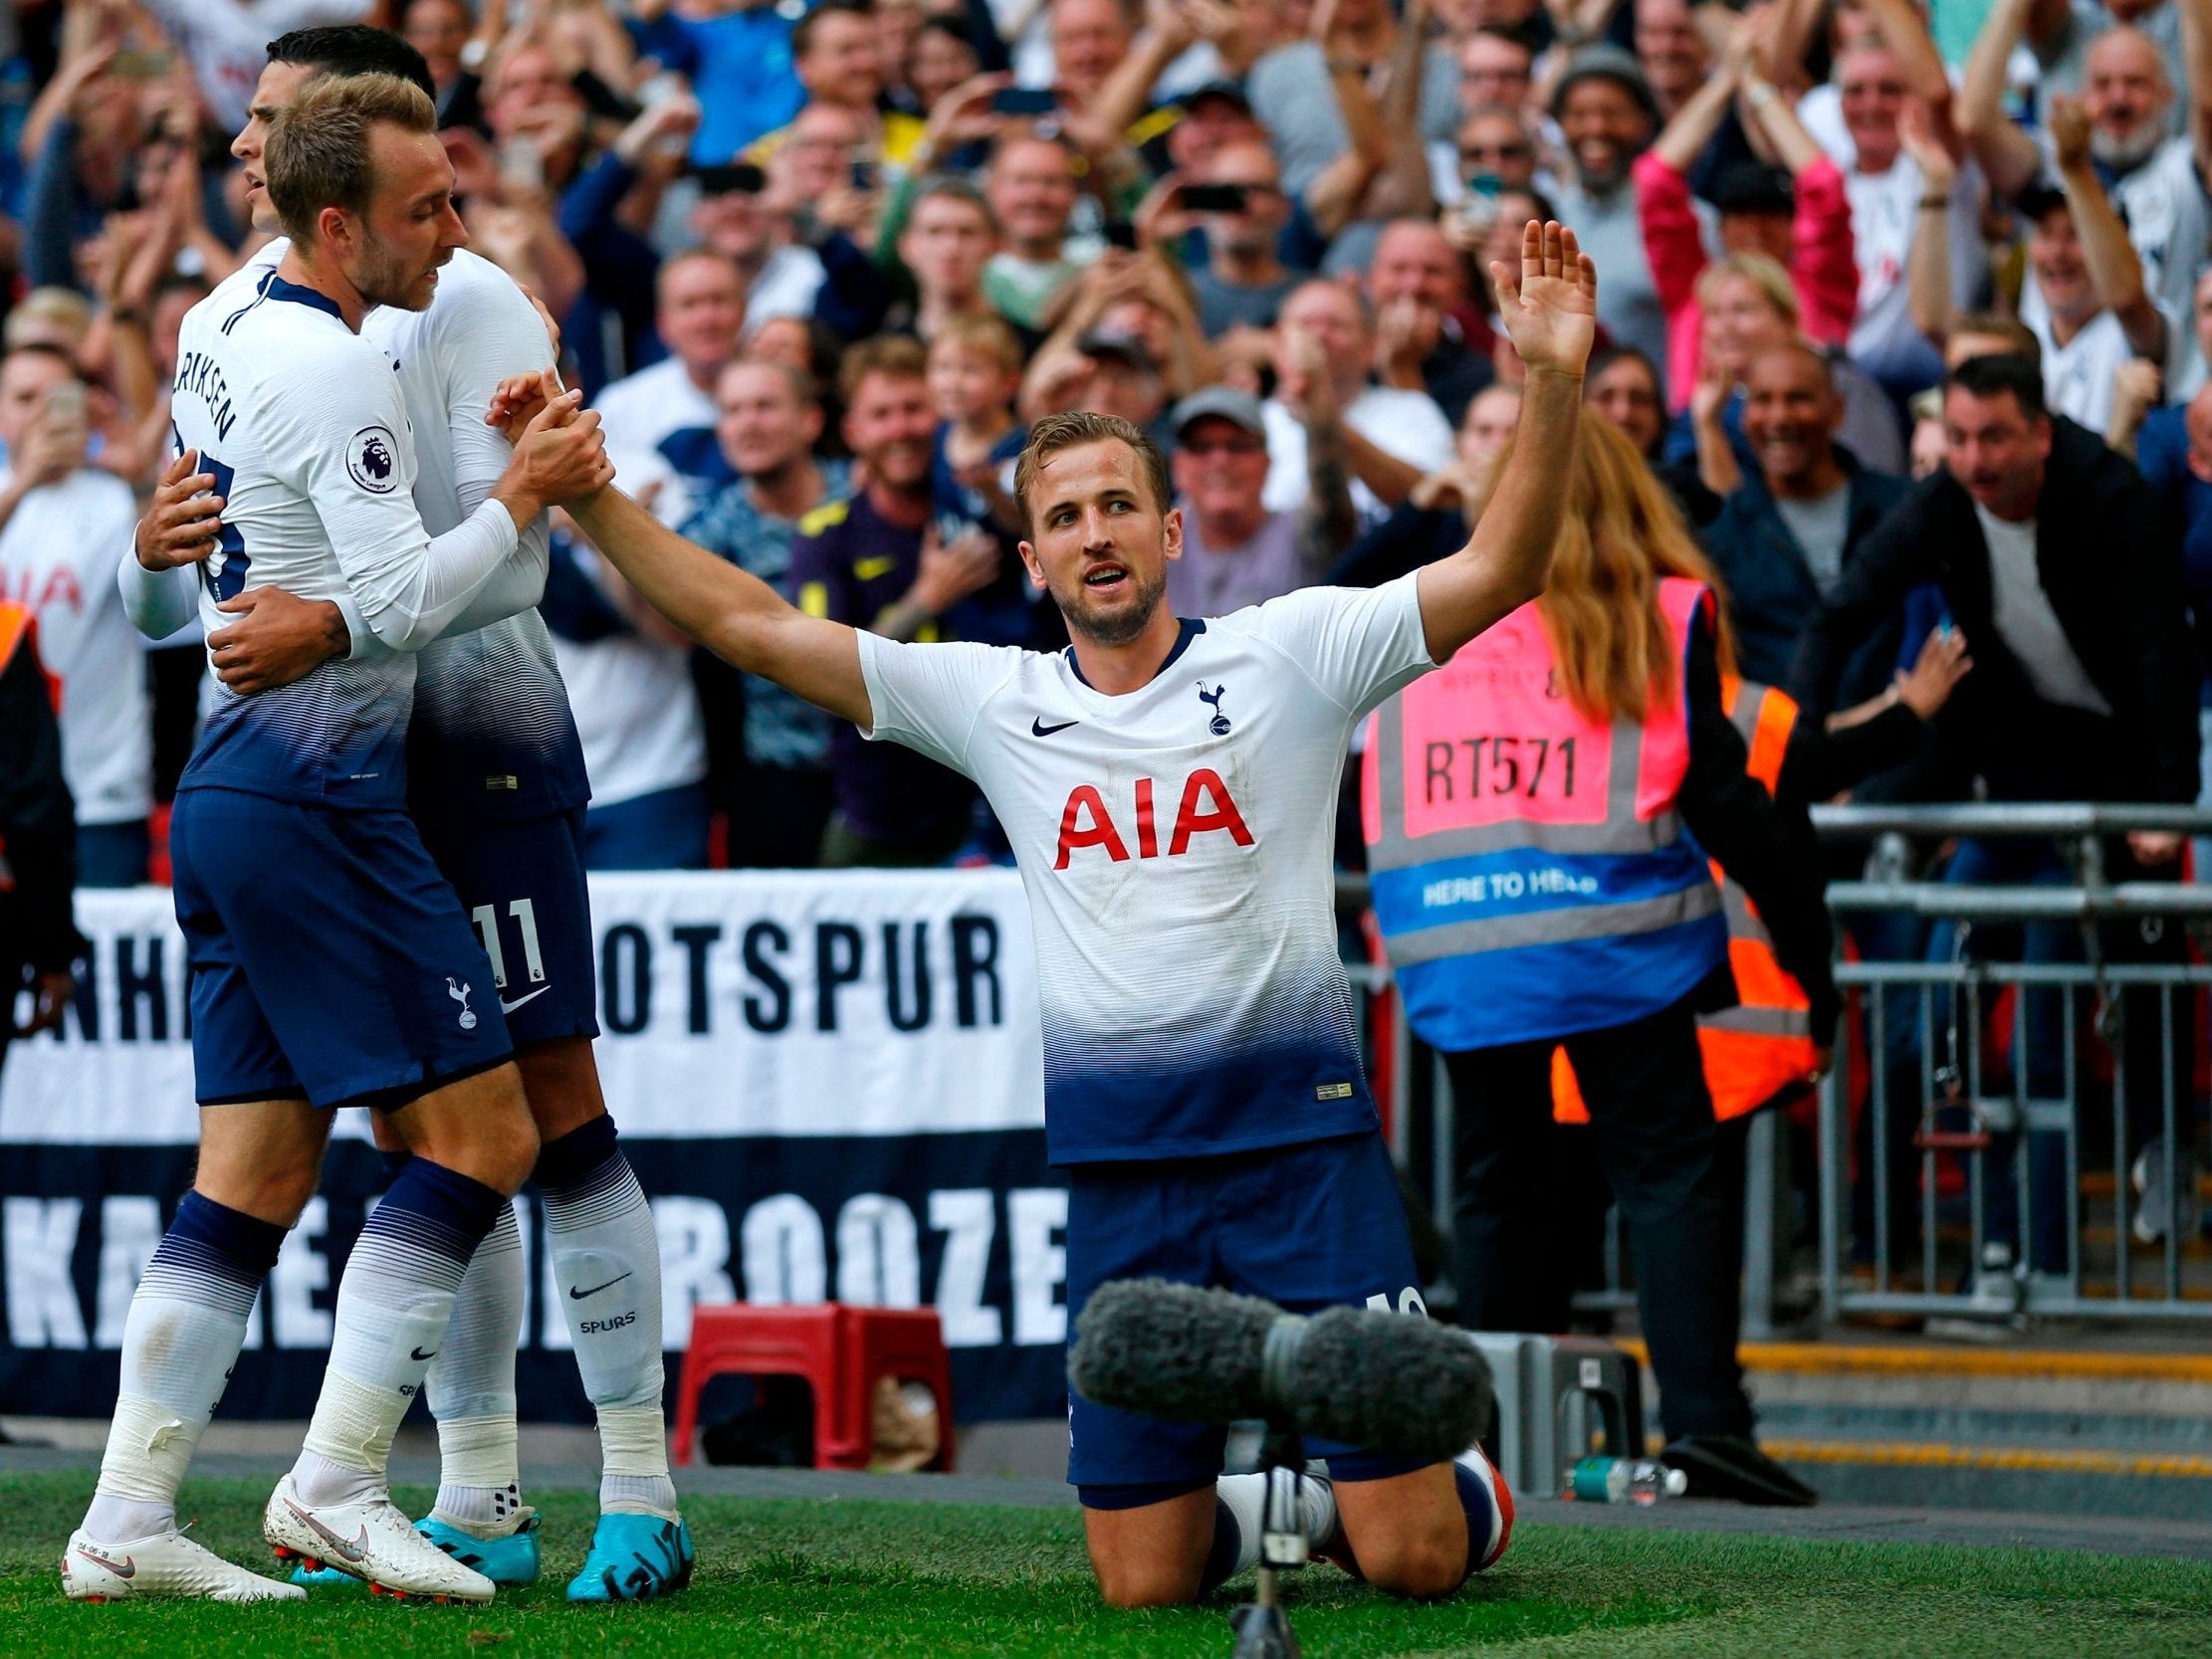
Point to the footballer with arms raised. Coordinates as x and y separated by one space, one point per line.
1168 788
497 787
332 964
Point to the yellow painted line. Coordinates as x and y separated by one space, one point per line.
1846 1359
2040 1459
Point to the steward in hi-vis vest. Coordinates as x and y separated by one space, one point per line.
1544 816
1517 847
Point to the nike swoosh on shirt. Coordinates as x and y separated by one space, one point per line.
575 1295
507 1007
1037 727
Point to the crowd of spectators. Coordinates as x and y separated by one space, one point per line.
820 266
1915 341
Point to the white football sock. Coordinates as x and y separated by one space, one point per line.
472 1388
180 1339
393 1305
1245 1499
599 1230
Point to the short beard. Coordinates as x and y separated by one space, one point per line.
1602 183
2121 154
1125 625
382 280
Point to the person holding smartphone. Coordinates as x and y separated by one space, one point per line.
1237 203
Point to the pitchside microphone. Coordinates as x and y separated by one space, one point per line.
1390 1382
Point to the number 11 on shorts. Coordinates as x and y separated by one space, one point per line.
486 918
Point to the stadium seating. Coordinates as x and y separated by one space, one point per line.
840 1350
1548 1391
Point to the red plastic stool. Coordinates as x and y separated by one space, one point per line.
841 1352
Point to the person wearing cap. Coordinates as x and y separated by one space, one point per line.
2145 87
2097 313
1125 374
1235 552
1799 217
1606 111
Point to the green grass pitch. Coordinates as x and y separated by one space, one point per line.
863 1579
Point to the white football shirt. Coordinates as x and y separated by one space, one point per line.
304 427
56 555
637 709
491 735
1176 844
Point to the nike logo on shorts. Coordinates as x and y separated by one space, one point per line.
1037 727
417 1354
507 1007
579 1295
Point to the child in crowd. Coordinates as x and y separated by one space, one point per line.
975 369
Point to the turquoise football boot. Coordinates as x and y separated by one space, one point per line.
508 1560
634 1557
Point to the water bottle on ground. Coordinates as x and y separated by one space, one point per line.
1623 1480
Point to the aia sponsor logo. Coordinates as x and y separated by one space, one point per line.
1205 807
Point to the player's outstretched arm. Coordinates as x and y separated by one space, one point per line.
736 616
1551 312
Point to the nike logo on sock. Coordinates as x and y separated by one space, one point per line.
507 1007
577 1295
417 1354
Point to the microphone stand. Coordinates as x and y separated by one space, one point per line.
1263 1627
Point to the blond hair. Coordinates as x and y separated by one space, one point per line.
59 308
982 332
1762 271
317 154
1614 650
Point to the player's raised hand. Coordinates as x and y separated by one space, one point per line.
517 400
560 456
275 639
183 520
1550 306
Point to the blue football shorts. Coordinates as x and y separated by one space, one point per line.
521 887
1310 1226
329 959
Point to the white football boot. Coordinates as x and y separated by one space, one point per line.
166 1565
374 1541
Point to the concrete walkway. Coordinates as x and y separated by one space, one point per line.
1852 1523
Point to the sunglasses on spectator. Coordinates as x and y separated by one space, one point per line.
1240 448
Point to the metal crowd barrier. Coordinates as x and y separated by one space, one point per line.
2040 1175
1997 1204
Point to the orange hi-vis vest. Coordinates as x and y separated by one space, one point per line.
1527 865
1764 1044
15 627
